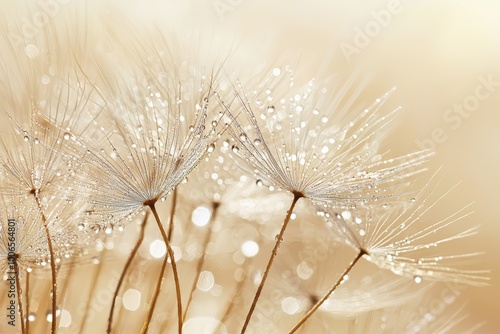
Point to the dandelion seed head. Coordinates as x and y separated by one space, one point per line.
327 156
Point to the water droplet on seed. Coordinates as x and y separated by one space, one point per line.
211 148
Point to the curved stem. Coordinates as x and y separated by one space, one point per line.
131 257
279 239
19 298
159 283
170 251
200 264
327 295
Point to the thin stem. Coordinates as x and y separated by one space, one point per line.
26 294
131 257
97 275
232 302
155 298
52 265
200 264
327 295
170 251
64 289
172 211
279 239
19 297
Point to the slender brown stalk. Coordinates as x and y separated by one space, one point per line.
279 239
327 295
170 251
200 264
52 264
131 257
18 293
26 295
97 275
172 211
232 302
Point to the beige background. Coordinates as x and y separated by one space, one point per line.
433 51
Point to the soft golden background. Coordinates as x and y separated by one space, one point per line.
433 51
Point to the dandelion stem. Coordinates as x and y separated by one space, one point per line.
95 279
199 266
125 270
327 295
26 295
170 251
234 297
279 239
172 211
19 297
52 265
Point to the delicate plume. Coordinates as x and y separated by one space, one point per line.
150 136
405 241
302 140
22 228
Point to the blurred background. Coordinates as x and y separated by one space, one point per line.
443 57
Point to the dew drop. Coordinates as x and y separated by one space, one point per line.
257 142
214 123
417 279
191 128
152 150
243 137
66 136
26 138
235 149
31 51
211 148
81 226
32 317
259 183
36 141
413 200
270 109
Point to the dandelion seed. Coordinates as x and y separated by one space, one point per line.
399 239
336 165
